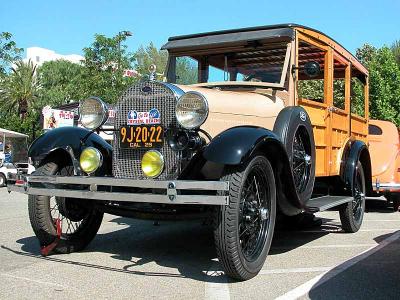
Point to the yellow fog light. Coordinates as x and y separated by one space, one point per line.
90 160
152 163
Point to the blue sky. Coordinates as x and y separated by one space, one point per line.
68 26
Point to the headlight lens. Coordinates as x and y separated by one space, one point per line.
152 163
191 110
93 112
90 160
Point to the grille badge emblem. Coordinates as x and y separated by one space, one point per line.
146 89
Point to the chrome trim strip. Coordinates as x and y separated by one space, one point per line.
171 195
124 197
122 182
178 92
386 186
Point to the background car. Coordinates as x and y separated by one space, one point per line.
384 146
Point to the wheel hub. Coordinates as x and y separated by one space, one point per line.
71 209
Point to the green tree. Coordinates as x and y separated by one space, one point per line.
366 53
384 91
19 89
396 51
19 107
146 56
61 82
104 63
186 68
9 52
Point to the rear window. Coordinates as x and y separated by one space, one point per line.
374 130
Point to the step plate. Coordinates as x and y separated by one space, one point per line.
326 202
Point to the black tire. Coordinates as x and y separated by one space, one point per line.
232 221
396 203
3 180
69 211
293 127
393 201
352 213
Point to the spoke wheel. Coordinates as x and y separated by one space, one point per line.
79 219
301 160
244 229
70 224
255 209
71 213
352 213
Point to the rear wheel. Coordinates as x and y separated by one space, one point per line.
244 228
352 213
79 219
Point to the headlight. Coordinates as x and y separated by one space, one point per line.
152 163
191 110
90 160
93 113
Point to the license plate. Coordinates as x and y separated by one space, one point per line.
143 136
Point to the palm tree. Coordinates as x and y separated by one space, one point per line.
18 90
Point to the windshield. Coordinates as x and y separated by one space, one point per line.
263 64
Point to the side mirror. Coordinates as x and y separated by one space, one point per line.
312 69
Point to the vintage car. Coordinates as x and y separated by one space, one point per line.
384 147
248 123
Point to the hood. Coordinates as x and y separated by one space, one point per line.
250 103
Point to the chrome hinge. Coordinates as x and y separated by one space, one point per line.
171 191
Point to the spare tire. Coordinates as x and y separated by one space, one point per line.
293 127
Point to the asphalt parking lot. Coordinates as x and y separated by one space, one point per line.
133 259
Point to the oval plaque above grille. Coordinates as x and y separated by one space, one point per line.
143 97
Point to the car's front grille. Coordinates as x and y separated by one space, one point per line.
143 97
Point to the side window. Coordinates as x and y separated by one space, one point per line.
216 74
186 70
310 88
374 130
358 82
339 94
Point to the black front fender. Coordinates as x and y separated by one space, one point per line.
237 145
70 141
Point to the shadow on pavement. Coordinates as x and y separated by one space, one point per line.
185 246
381 206
372 275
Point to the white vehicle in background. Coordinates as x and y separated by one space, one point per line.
13 155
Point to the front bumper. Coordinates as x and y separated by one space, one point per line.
124 190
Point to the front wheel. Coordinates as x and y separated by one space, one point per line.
352 213
79 220
244 228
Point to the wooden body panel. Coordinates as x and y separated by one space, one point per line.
318 115
333 127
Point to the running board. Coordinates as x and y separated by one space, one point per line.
326 202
